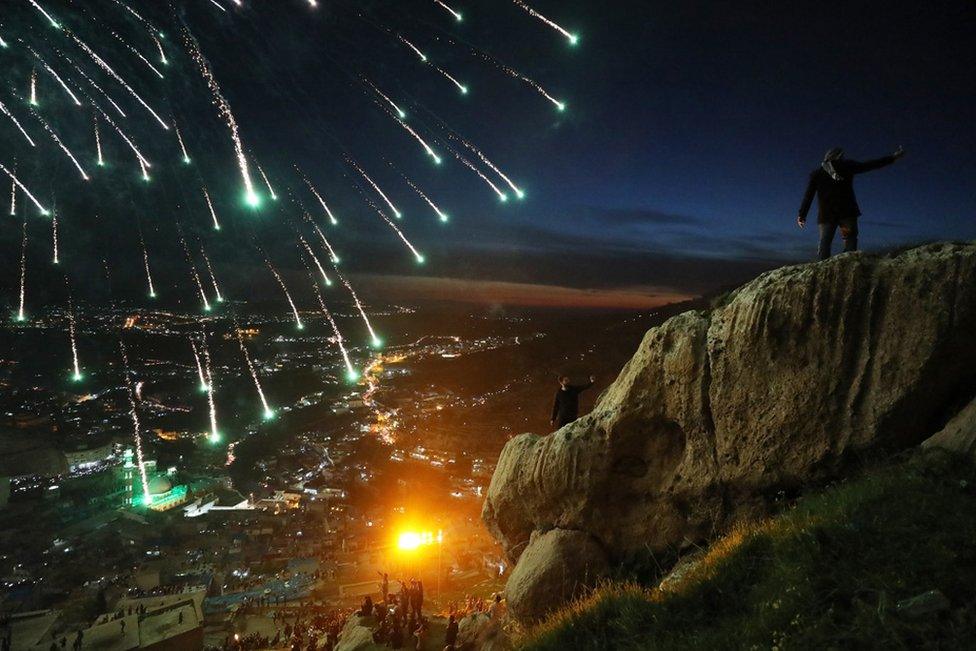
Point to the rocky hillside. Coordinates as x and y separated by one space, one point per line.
780 385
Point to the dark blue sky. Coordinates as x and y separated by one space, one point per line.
678 166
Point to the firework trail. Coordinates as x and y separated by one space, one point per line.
179 138
325 242
271 192
268 411
23 273
136 426
461 87
59 143
75 366
441 214
138 54
284 288
33 88
152 30
142 159
98 142
145 171
325 276
193 272
200 373
318 196
214 432
374 339
54 74
399 111
471 166
54 236
218 5
13 177
145 261
13 198
94 85
6 111
416 50
50 19
457 14
416 254
114 75
162 53
351 373
213 213
251 197
3 43
572 38
515 74
396 212
484 159
213 278
423 143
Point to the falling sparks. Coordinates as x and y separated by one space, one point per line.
50 18
64 148
213 277
484 159
386 98
200 372
213 213
351 373
145 261
250 196
325 242
57 78
423 143
325 206
211 403
179 138
461 87
515 74
284 288
33 88
136 426
416 254
54 237
471 166
75 365
114 75
162 53
6 111
325 276
138 55
441 214
271 192
13 177
572 38
142 159
268 411
416 50
374 339
98 144
194 274
94 85
23 273
13 198
396 212
457 14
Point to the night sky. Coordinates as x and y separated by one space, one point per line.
677 168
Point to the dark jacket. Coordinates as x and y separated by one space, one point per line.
835 199
565 408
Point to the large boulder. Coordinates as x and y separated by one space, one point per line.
356 635
779 385
555 567
959 435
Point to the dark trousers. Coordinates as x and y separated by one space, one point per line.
848 232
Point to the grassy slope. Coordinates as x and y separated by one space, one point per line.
825 574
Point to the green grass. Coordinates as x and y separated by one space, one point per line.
826 574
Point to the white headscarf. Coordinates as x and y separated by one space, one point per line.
834 154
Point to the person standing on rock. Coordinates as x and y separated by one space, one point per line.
565 408
833 184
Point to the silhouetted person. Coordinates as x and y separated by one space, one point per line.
565 408
450 635
367 608
385 586
833 184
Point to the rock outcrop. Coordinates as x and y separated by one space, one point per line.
779 385
959 435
